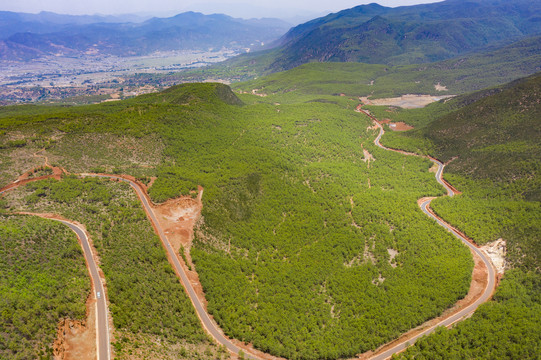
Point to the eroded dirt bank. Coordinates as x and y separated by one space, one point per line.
76 340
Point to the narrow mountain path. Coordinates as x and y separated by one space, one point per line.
36 154
483 266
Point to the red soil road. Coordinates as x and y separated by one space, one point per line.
206 320
26 178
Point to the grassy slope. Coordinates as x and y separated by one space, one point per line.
463 74
286 186
469 72
43 279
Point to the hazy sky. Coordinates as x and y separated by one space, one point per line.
237 8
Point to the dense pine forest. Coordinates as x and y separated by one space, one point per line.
43 280
297 201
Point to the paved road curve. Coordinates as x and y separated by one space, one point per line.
102 325
425 207
209 325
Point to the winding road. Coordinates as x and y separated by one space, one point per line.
103 346
425 207
102 324
210 326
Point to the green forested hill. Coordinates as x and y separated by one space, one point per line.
497 137
311 244
407 34
493 66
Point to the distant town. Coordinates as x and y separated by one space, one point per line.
56 78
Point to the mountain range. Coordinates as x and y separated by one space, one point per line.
368 33
27 36
407 35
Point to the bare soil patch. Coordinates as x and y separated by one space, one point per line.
392 255
408 101
76 340
496 251
395 126
177 218
255 92
367 157
400 126
440 87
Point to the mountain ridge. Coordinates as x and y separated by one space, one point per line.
406 35
185 31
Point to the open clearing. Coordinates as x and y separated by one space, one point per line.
408 101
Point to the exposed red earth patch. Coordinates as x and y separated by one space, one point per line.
76 340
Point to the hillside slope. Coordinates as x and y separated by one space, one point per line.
407 35
495 137
310 244
493 66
